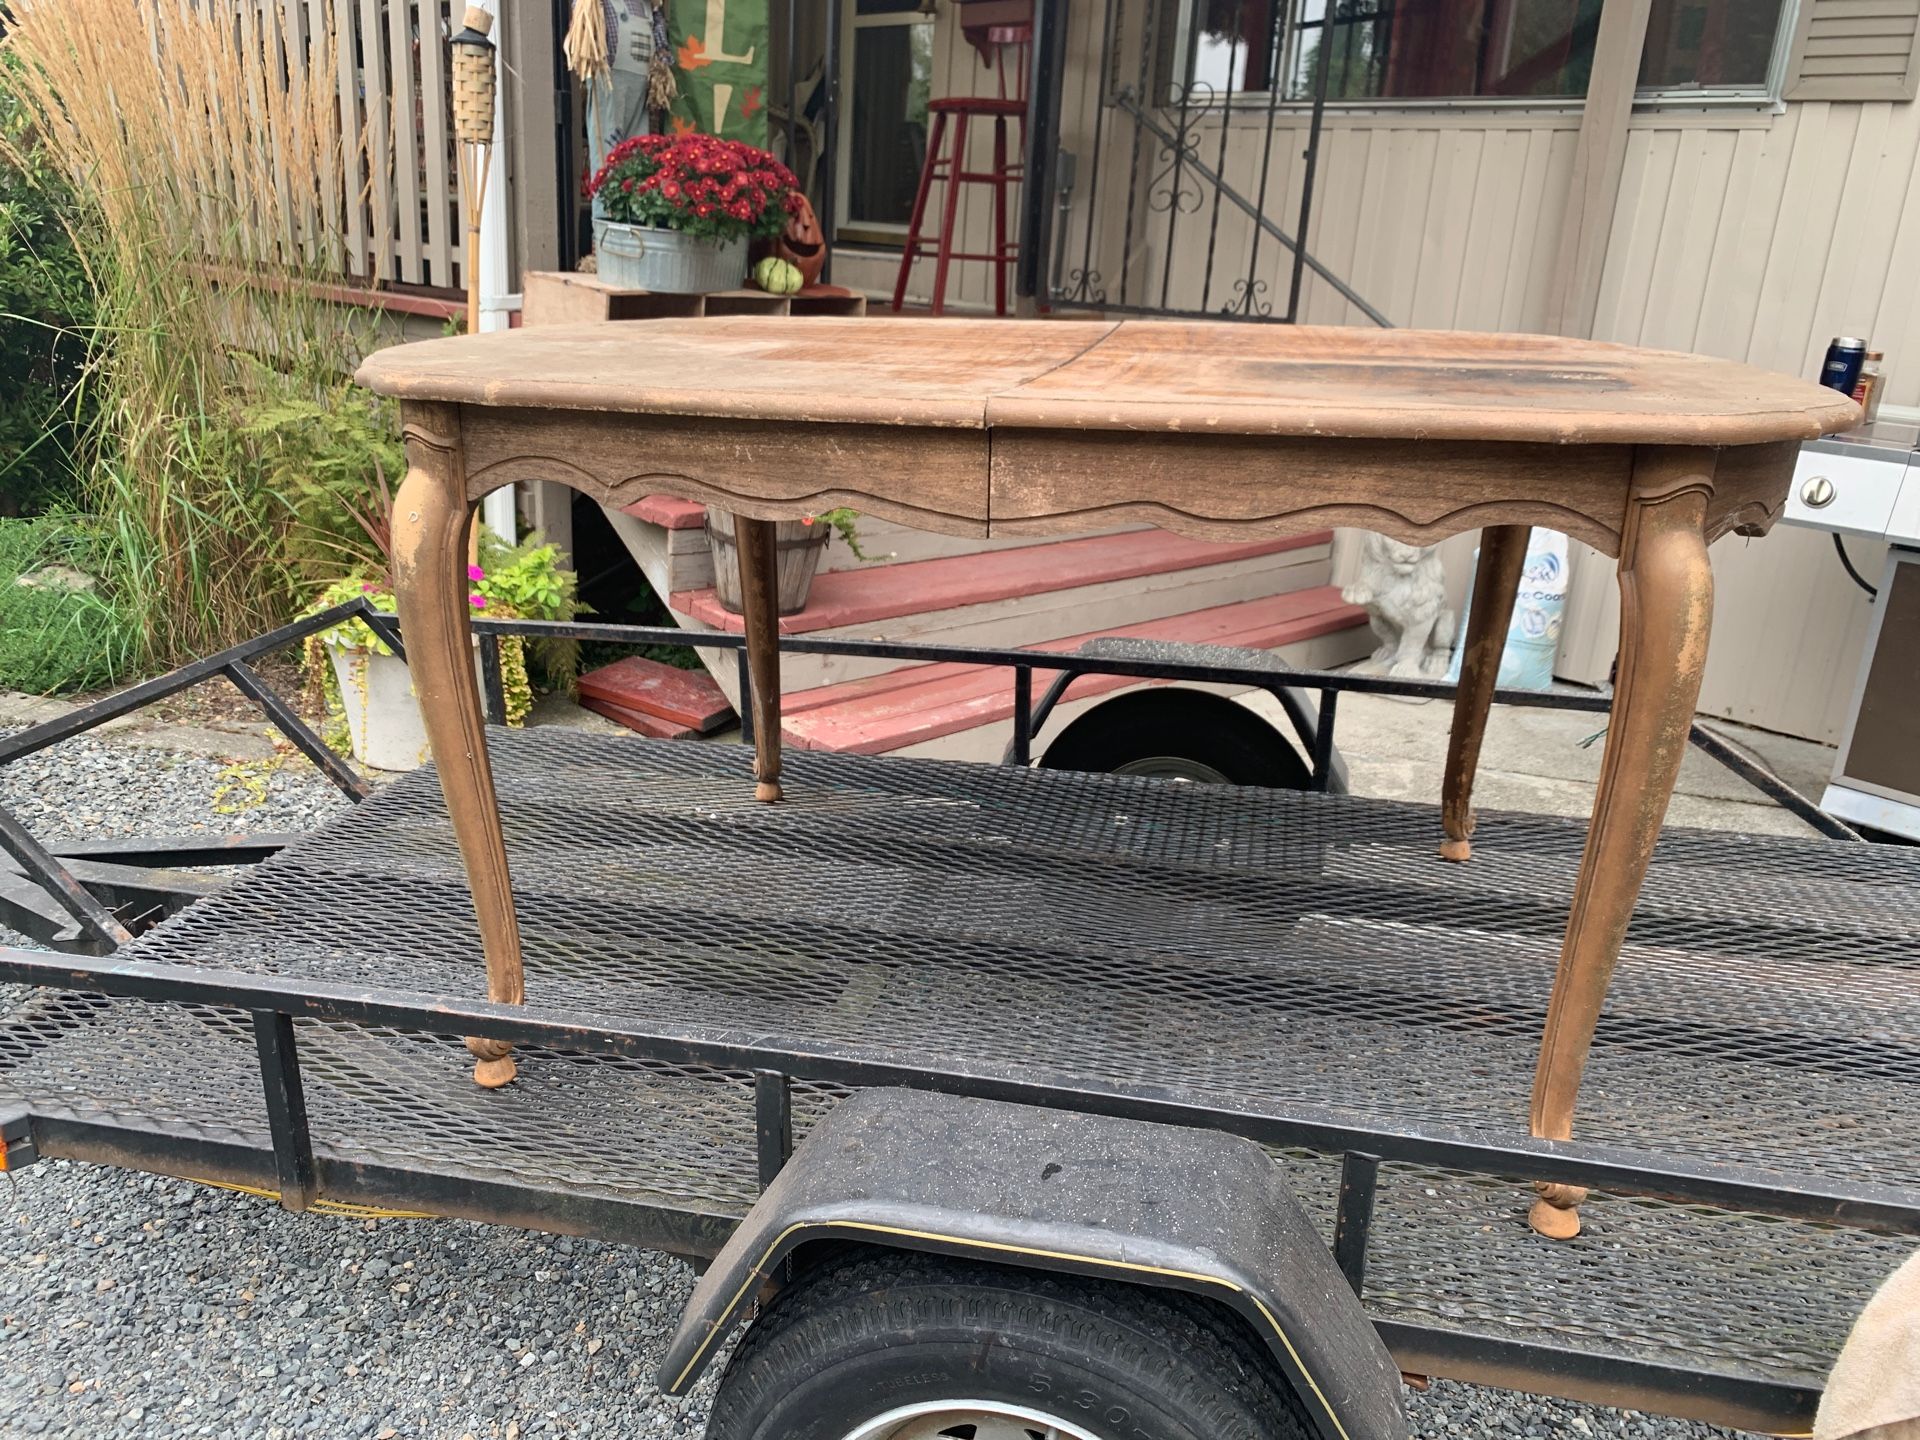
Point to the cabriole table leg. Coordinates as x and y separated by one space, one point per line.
1503 553
1666 613
431 518
760 609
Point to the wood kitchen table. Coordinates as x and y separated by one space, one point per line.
1211 430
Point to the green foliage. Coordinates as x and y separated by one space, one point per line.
192 142
53 637
331 455
846 524
45 309
518 582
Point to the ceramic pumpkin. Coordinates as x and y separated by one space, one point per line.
801 244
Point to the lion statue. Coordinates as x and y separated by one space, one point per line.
1406 598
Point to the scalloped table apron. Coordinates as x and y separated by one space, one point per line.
1210 430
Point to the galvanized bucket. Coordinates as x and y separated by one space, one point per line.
641 257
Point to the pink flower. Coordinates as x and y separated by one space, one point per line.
476 574
477 600
366 589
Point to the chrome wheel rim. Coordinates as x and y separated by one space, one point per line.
968 1420
1173 767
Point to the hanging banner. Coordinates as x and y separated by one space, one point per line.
720 61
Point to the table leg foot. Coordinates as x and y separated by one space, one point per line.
492 1074
1556 1213
1503 554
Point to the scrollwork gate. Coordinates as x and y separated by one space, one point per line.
1170 179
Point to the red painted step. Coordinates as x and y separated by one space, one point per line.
844 598
687 698
652 726
668 512
925 702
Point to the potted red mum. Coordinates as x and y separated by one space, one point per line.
684 209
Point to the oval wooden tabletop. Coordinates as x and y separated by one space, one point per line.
1197 376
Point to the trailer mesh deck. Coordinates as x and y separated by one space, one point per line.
1244 948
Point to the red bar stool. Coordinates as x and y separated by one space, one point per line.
1003 49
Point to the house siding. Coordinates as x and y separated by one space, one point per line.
1761 243
1752 234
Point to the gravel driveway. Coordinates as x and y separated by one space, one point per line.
132 1305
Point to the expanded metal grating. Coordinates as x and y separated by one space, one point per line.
1238 946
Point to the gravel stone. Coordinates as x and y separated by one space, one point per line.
134 1305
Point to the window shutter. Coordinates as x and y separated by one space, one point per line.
1855 50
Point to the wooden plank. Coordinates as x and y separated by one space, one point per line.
665 692
406 134
326 212
443 265
638 721
531 116
827 303
1599 160
850 599
933 478
380 157
352 195
1141 377
549 297
881 713
307 237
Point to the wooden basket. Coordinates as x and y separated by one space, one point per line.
798 544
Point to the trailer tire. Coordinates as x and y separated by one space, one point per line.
1181 734
879 1345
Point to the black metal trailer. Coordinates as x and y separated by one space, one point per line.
712 979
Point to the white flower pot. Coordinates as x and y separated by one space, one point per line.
383 713
641 257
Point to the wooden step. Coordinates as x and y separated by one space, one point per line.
920 703
668 540
851 599
639 721
668 512
685 697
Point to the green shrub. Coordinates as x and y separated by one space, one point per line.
199 148
53 637
45 308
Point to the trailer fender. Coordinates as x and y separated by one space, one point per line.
1123 1200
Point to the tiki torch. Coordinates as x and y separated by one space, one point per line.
473 82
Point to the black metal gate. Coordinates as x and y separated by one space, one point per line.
1132 177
